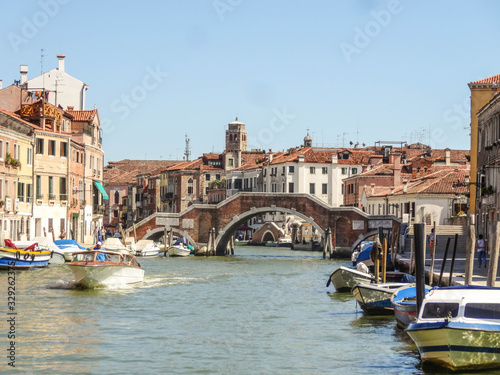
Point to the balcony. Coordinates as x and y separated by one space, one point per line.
98 209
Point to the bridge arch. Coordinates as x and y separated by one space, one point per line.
225 234
157 233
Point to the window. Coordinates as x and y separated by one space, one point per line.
190 186
265 170
440 310
20 191
311 188
64 149
284 169
230 162
482 310
1 149
312 170
38 187
324 170
207 177
29 157
29 193
290 187
344 170
115 213
274 188
7 148
52 148
354 170
51 188
117 197
291 169
217 176
324 189
63 189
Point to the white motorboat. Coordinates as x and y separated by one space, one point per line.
145 248
45 244
116 245
179 250
103 268
375 299
458 328
345 278
284 242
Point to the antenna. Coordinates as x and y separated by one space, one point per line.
41 68
187 150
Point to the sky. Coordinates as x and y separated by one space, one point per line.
344 71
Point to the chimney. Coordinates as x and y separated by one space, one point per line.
372 185
396 158
334 158
24 74
405 186
300 158
60 66
392 190
447 157
1 83
270 158
70 107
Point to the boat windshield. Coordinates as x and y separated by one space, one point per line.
440 310
482 310
82 257
131 260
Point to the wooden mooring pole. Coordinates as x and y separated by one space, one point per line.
494 249
469 255
419 237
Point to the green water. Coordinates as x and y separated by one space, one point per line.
262 311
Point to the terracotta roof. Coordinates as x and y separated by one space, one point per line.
132 168
439 182
493 79
80 116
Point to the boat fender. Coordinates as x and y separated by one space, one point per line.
18 255
26 256
32 257
51 254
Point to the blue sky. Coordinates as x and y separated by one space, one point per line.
349 71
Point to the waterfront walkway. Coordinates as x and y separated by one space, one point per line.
479 274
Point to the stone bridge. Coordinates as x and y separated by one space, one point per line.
347 224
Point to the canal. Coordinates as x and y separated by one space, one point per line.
262 311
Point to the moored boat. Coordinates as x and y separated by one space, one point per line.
68 247
458 328
404 303
284 242
345 278
31 257
145 248
375 299
179 250
100 268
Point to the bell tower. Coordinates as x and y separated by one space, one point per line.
236 137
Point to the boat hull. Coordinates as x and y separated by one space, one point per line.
375 299
95 275
457 347
147 253
23 259
178 252
344 279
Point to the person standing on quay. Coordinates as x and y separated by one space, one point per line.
481 252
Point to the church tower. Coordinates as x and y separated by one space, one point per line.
236 137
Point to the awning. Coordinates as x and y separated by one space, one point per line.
101 189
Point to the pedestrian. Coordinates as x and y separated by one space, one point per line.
481 251
430 238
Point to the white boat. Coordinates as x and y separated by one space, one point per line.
116 245
375 299
146 248
458 328
284 242
45 244
95 268
345 278
178 251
